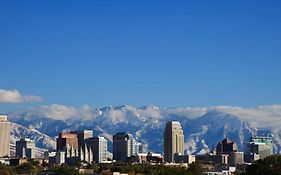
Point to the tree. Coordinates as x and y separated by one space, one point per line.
5 170
195 169
26 168
270 165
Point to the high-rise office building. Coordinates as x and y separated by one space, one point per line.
259 147
173 140
226 146
98 145
230 148
66 140
4 136
83 135
25 148
123 146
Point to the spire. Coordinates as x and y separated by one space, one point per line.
90 155
23 152
81 154
72 152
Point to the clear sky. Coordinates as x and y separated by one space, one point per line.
166 53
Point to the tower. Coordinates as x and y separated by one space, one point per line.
25 147
4 136
65 139
82 136
98 147
123 146
173 140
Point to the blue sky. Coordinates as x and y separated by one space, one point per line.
166 53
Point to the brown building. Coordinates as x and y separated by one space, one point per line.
226 146
82 136
65 139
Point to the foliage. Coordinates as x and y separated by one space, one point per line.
5 170
93 166
26 168
195 169
63 170
270 165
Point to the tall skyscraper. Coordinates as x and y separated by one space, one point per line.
173 140
25 148
123 146
67 140
98 145
4 136
259 147
82 135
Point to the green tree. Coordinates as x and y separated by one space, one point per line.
26 168
63 170
5 170
195 169
270 165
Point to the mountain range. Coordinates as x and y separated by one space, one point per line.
202 130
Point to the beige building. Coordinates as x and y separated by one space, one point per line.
67 140
82 136
4 136
173 141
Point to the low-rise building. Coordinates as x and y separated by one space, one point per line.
213 158
184 158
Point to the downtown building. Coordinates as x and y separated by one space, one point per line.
123 146
69 150
5 130
98 146
173 141
25 148
228 147
66 141
82 136
258 147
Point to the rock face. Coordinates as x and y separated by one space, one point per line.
202 133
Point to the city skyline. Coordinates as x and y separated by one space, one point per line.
140 53
140 87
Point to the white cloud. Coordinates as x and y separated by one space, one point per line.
62 112
261 116
14 96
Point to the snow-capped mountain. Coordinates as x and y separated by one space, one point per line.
202 129
42 141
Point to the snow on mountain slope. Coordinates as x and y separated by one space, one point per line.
43 142
202 129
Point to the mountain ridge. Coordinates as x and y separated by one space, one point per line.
147 124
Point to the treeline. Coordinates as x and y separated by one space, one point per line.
33 168
147 169
268 166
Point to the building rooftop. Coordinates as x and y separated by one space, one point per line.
3 118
